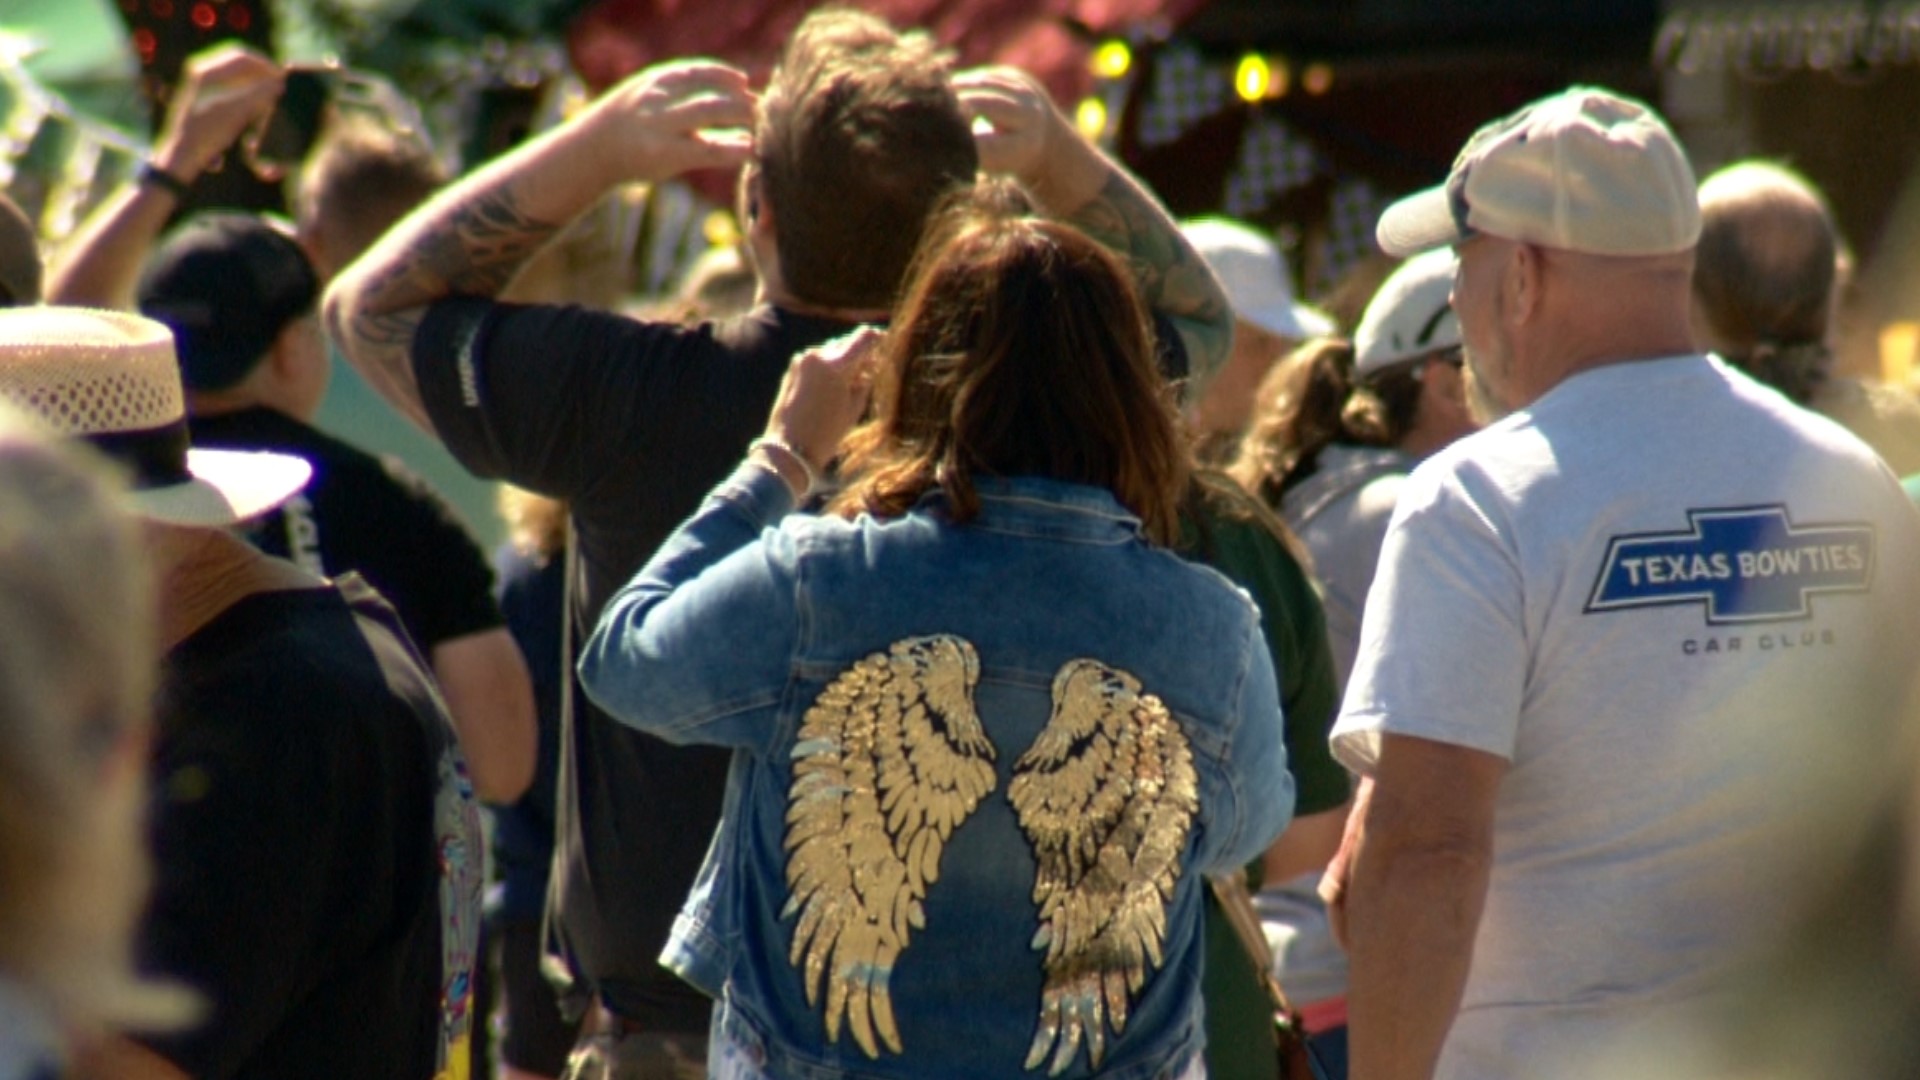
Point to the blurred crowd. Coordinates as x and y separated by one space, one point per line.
978 625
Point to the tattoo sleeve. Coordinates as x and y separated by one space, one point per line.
472 248
1172 277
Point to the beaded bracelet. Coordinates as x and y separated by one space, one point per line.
768 442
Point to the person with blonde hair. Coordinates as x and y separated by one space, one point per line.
77 674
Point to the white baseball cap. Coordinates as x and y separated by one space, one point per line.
1410 316
1249 265
110 378
1584 170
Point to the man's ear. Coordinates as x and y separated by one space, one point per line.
1525 276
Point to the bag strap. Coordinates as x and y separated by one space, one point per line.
1237 904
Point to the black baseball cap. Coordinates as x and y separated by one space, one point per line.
226 284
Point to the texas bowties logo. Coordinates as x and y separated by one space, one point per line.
1746 565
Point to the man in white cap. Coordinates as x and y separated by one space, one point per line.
314 838
1267 320
1618 641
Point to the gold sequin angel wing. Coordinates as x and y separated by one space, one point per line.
1107 796
890 760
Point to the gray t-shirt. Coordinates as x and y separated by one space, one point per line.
1341 512
1671 600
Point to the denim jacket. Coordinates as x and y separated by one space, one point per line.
979 772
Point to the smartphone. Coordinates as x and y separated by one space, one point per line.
290 130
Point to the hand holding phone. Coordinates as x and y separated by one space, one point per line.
281 141
222 91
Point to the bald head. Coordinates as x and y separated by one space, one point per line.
1763 282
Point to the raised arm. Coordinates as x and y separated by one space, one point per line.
223 91
653 659
1038 145
474 236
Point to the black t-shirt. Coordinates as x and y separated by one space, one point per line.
632 423
299 757
371 516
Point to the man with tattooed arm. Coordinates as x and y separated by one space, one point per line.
860 133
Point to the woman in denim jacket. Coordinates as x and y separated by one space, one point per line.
990 733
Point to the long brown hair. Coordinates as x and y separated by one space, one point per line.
1312 399
1021 349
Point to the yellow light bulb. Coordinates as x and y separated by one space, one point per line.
1091 117
1112 60
1252 78
719 229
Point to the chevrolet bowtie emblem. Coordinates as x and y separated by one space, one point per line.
1743 564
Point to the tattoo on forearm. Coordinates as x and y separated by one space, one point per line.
474 249
483 244
1171 277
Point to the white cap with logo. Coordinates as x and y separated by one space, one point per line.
1584 170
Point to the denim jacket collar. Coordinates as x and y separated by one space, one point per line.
1043 507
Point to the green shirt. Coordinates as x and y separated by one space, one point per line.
1236 535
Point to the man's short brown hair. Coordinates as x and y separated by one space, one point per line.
362 179
860 136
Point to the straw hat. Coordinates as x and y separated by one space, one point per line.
110 378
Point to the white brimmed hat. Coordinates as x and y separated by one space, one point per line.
110 379
1583 170
1248 263
1410 316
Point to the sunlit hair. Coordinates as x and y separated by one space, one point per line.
78 658
1312 399
1763 277
1021 348
536 524
363 177
860 136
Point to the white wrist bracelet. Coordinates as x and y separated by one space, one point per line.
768 442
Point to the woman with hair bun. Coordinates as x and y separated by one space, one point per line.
1339 425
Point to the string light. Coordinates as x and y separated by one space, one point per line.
1091 117
719 229
1253 78
1317 79
1112 60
